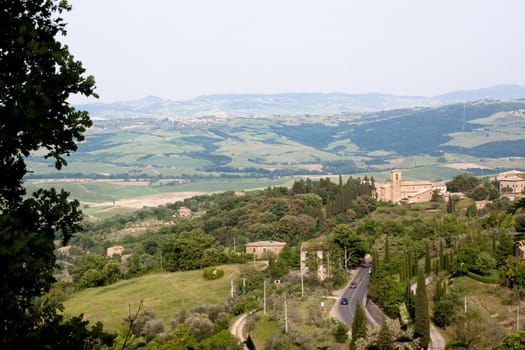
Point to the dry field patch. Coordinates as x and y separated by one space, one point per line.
153 200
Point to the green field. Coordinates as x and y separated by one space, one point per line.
97 191
216 154
165 293
275 146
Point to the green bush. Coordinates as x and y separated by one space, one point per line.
493 278
340 332
212 273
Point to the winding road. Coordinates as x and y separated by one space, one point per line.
345 313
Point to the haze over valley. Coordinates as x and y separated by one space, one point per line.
270 175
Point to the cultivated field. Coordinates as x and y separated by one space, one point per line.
238 147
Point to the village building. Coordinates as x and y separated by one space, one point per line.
262 248
395 190
184 212
115 250
511 182
481 204
315 249
519 251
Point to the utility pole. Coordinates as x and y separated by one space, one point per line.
264 297
231 288
243 285
328 263
346 262
518 316
285 317
465 302
301 266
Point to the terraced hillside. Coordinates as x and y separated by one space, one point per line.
172 150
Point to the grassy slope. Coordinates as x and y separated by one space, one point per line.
493 303
165 293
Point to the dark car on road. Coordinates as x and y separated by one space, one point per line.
344 301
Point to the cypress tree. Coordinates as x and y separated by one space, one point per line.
387 251
415 264
403 272
375 259
422 322
410 301
385 340
440 290
451 205
358 324
408 261
441 254
427 261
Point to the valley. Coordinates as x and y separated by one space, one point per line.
295 179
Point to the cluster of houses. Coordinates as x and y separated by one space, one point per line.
511 184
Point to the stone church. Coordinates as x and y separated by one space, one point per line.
396 190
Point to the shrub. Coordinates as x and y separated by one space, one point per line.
340 333
153 327
199 326
140 320
211 273
483 279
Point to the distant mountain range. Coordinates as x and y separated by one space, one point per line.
291 103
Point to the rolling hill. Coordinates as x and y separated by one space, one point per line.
132 156
290 103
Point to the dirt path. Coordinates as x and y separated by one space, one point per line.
237 328
437 342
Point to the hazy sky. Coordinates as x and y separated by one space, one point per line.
180 49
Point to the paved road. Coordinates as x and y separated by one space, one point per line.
345 313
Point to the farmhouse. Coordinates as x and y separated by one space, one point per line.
261 248
511 182
115 250
395 190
